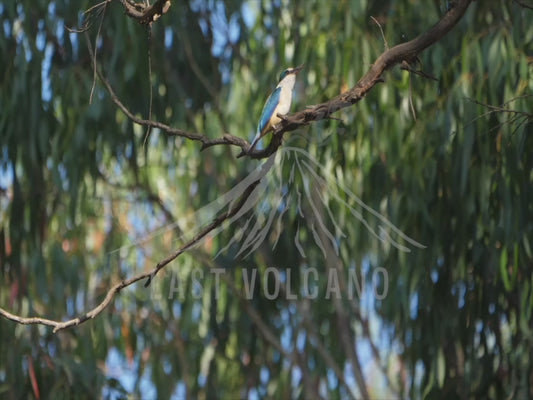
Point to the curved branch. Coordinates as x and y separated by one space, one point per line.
148 275
226 139
403 52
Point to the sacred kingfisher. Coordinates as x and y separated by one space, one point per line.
279 102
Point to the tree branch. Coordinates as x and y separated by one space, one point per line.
524 5
403 52
145 14
148 275
226 139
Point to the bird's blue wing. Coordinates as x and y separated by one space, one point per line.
268 109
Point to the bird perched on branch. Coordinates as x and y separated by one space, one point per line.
278 103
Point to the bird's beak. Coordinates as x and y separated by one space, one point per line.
297 69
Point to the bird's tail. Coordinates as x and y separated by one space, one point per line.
257 138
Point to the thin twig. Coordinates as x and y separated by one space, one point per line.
514 114
149 130
502 109
103 3
96 52
385 43
411 96
194 65
89 16
522 4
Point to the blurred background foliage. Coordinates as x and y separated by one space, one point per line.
79 192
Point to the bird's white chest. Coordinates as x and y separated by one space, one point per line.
284 105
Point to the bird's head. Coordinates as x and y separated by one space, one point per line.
290 71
